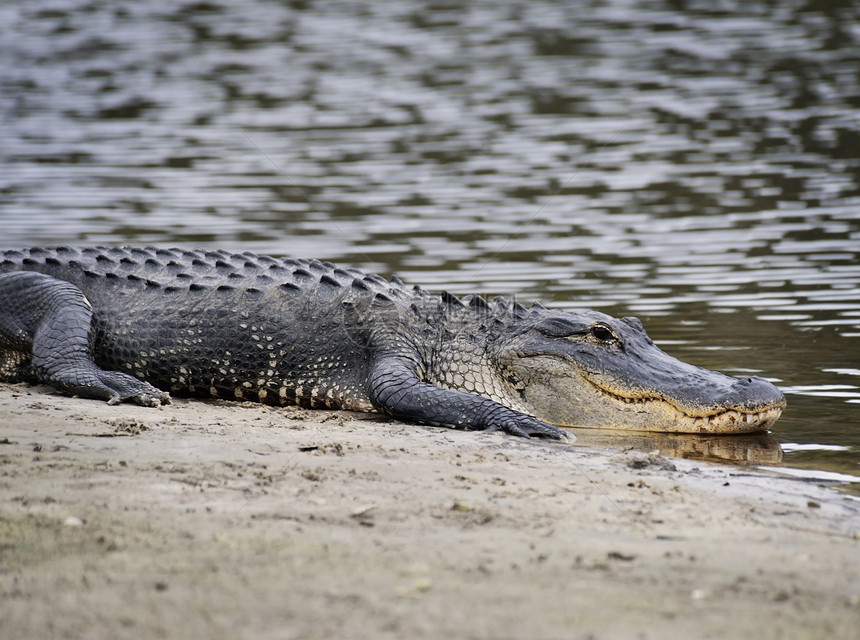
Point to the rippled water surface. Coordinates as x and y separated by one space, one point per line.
693 163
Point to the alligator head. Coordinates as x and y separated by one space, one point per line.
587 369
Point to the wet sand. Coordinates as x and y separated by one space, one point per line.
208 519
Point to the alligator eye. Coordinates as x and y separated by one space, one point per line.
602 333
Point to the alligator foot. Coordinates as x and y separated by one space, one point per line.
125 388
84 379
527 427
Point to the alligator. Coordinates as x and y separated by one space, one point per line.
141 323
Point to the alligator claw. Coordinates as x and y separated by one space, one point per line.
528 427
123 387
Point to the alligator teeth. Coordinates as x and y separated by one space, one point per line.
729 421
737 421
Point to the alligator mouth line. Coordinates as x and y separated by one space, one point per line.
726 421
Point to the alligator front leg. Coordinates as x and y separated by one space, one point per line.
46 322
396 390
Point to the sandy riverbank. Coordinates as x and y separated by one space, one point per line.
217 520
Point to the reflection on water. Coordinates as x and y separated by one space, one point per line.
760 448
693 164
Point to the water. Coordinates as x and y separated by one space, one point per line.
695 164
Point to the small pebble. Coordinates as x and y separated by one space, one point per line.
72 521
363 511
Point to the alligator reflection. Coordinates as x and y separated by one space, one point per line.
756 448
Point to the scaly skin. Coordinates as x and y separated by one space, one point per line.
135 323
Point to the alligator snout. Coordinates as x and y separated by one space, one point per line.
753 394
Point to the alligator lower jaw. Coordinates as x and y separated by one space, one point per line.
661 417
731 421
658 415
